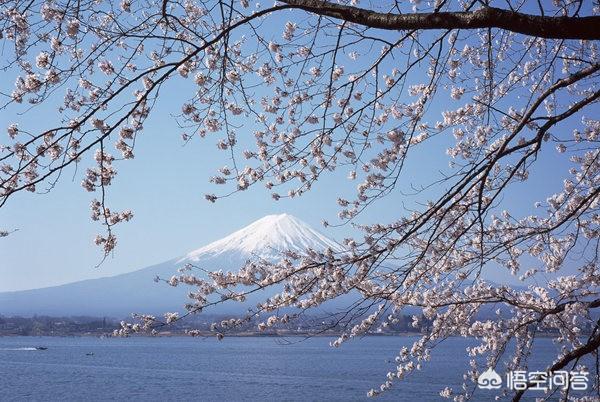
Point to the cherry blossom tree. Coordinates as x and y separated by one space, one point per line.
361 87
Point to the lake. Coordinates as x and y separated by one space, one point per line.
235 369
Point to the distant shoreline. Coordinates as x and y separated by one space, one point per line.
103 327
233 335
206 335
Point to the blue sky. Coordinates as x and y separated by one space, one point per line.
164 186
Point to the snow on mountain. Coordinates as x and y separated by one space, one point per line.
136 291
267 238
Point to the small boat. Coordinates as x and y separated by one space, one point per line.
90 354
41 348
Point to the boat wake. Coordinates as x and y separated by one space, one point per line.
19 349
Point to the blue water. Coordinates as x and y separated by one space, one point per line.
235 369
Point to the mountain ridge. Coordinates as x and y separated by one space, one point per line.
136 291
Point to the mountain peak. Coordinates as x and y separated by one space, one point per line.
267 238
136 291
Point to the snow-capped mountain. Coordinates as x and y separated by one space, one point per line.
266 238
137 292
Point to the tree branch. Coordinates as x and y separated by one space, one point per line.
486 17
590 347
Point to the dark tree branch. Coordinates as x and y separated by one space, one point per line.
590 347
486 17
